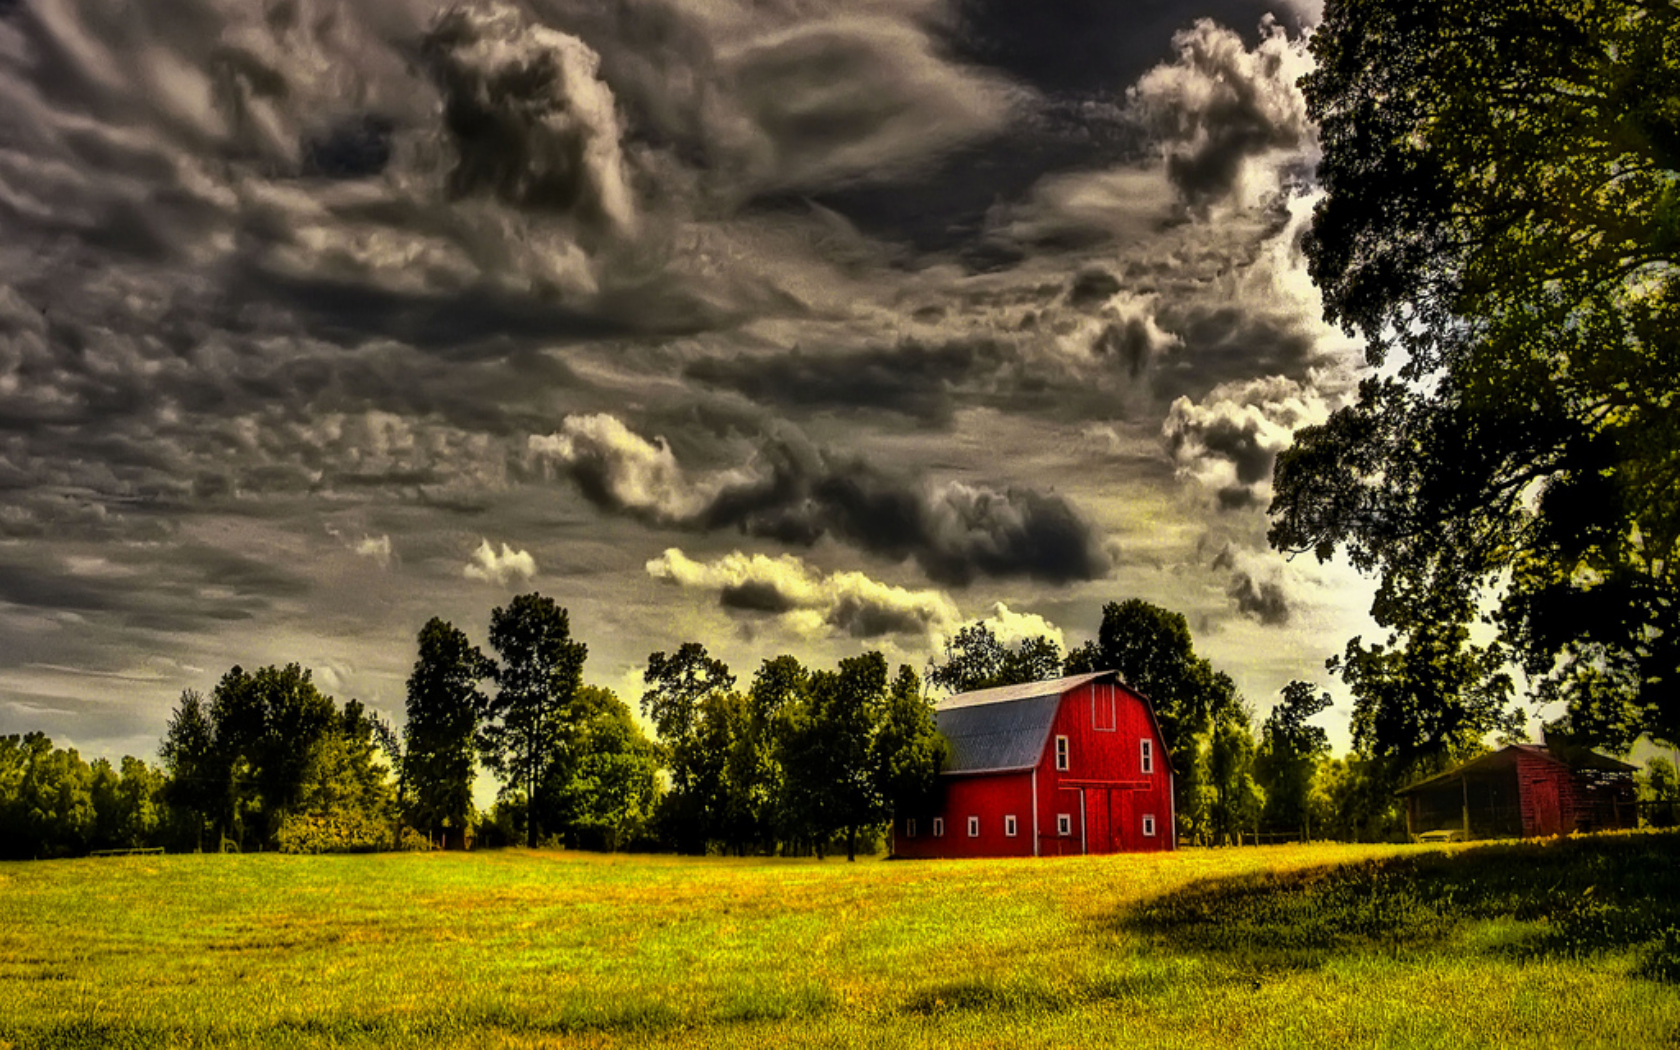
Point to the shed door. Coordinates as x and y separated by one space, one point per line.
1548 819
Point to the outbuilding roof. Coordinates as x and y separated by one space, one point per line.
1003 729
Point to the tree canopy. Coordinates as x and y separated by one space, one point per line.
1500 221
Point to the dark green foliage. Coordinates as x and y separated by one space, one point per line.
53 804
691 701
1579 895
1500 220
1291 751
194 788
907 752
445 706
975 659
826 749
527 739
612 785
1151 649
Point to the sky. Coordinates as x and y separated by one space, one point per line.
786 326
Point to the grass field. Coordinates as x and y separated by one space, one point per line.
1570 943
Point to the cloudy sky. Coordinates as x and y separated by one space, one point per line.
785 325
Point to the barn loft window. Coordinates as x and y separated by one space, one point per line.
973 827
1146 756
1064 823
1103 718
1009 825
938 827
1149 825
1062 753
910 828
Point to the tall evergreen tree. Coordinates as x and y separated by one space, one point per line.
528 732
445 706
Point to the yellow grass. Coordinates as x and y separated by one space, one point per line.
533 949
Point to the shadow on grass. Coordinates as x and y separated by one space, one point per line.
1573 897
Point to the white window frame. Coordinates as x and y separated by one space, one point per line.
1064 754
973 827
910 827
938 827
1011 826
1064 824
1146 755
1149 825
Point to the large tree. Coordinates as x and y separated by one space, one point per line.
527 738
1152 650
1500 221
690 700
976 659
1291 751
445 706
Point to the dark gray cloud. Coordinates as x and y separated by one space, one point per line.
1221 106
1260 599
913 379
1230 441
796 494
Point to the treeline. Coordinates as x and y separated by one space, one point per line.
795 761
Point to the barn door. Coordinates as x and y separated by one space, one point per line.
1548 816
1098 837
1125 822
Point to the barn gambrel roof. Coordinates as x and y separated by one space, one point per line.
1004 729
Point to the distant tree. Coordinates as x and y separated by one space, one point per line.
1291 750
780 685
1152 650
1237 797
1659 782
194 787
140 810
827 747
344 799
1428 702
976 659
1359 790
445 706
907 751
611 790
529 725
688 699
53 814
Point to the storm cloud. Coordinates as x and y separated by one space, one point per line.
797 494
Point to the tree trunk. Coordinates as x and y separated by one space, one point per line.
851 843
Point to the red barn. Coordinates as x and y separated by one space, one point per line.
1523 790
1073 765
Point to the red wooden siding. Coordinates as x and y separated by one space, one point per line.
1104 791
990 797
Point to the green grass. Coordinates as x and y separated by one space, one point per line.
1563 944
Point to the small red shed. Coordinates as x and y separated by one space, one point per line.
1524 790
1067 766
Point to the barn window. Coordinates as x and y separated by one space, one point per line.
938 827
1146 756
1062 752
1102 710
1149 825
1064 823
1009 826
910 828
973 827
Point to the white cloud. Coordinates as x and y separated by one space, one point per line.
632 472
377 548
1229 441
500 568
1011 627
812 604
